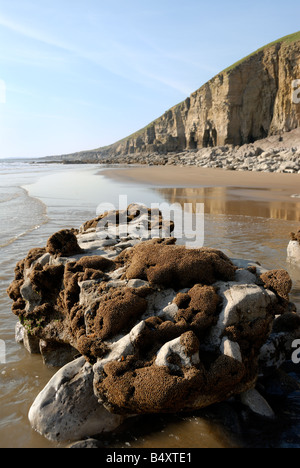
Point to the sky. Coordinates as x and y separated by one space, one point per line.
80 74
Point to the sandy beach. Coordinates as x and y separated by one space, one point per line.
257 185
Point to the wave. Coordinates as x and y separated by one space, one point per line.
7 198
22 234
20 214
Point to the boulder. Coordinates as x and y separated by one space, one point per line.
192 325
257 404
67 409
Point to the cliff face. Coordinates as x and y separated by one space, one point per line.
241 105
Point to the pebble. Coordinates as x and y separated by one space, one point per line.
257 404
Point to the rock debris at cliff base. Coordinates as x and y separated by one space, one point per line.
247 158
160 328
267 155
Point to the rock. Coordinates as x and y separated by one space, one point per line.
235 158
137 283
56 354
67 409
242 303
231 349
256 403
19 333
278 348
30 295
31 343
273 353
119 350
192 325
278 281
178 266
169 312
293 250
128 226
86 444
177 347
63 244
279 384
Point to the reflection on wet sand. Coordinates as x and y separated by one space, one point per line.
235 201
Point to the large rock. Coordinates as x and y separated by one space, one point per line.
188 324
67 408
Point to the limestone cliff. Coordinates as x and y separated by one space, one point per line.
247 102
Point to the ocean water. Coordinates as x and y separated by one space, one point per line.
37 200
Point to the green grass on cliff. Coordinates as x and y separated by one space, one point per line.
286 39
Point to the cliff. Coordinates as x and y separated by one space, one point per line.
247 102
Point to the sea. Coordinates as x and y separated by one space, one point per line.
39 198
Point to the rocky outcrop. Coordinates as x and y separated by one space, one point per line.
188 324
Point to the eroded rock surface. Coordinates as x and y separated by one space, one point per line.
161 328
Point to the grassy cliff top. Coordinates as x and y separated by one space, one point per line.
286 39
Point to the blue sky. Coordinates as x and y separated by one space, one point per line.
80 74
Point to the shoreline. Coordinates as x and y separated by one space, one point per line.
267 186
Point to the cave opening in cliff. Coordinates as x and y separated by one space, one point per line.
210 138
263 132
250 139
193 142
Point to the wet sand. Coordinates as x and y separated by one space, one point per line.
256 185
